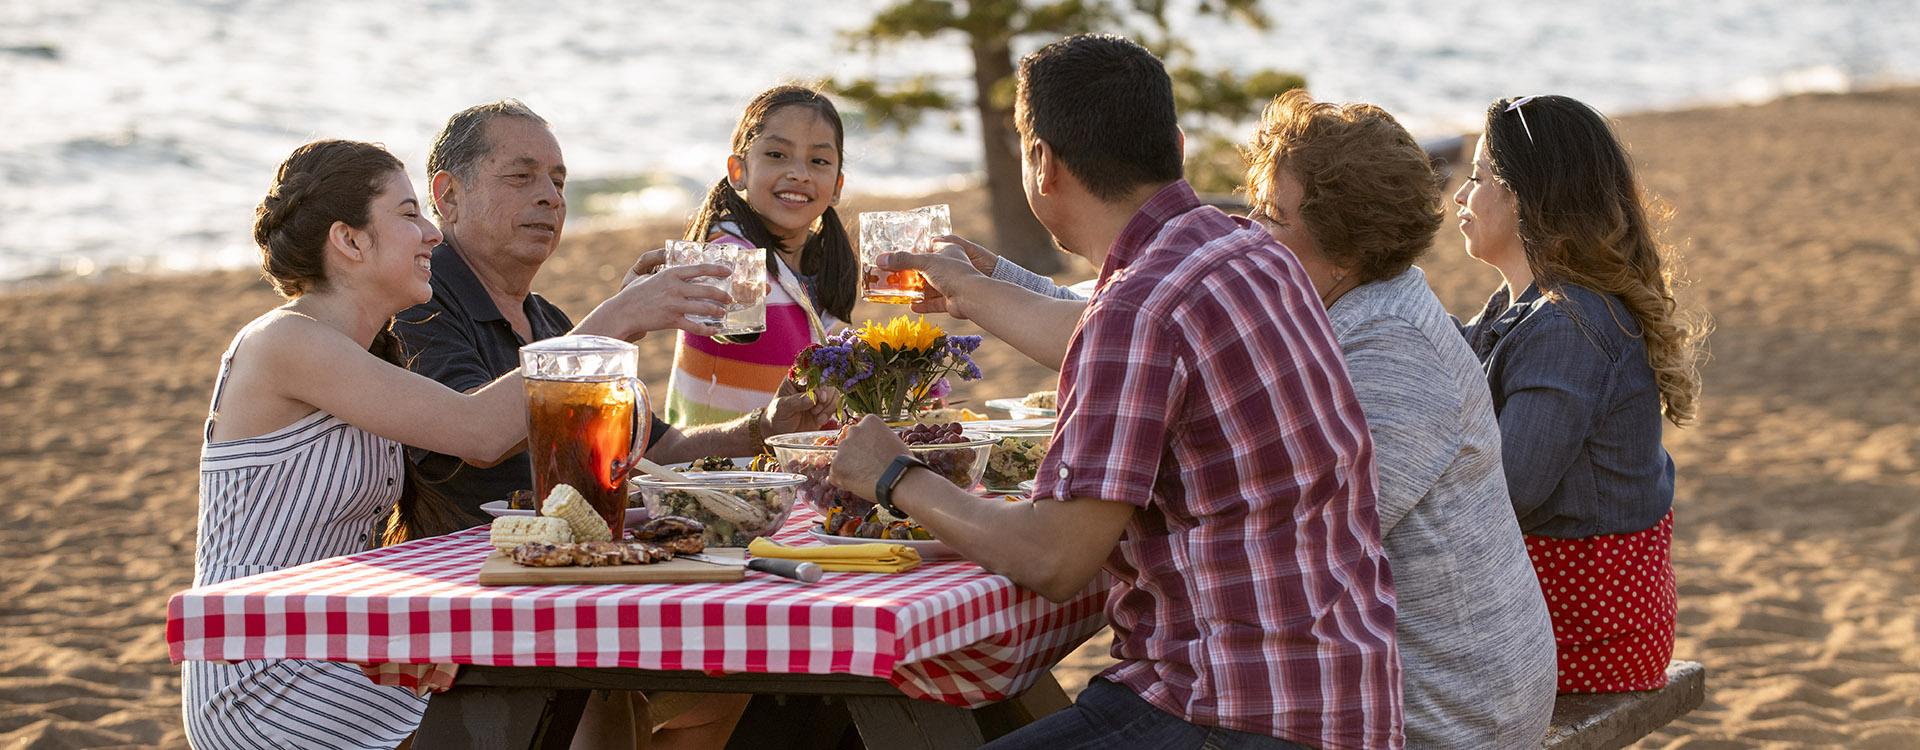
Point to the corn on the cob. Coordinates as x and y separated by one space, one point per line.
509 532
567 504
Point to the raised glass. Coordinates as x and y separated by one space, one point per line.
884 232
746 282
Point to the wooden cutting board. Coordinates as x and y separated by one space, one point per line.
500 571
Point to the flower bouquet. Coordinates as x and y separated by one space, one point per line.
896 370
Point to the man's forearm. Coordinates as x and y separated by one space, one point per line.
1036 325
1050 547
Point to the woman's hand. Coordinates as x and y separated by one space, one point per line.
982 259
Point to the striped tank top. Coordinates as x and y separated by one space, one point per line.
305 492
714 382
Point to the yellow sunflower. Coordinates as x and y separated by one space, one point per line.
902 334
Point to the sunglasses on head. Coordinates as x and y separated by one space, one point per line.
1515 108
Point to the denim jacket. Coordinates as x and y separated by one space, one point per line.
1579 412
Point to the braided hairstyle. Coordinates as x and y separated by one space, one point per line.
321 183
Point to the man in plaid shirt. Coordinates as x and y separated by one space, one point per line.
1210 453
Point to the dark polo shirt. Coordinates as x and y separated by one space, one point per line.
460 339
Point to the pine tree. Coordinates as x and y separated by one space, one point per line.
1216 100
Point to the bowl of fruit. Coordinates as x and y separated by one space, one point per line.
952 452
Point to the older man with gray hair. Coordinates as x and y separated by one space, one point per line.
497 181
498 187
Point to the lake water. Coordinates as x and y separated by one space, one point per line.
139 135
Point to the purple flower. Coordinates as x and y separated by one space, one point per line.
858 372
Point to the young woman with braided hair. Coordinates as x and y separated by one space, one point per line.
310 407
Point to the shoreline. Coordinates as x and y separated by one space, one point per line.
1797 538
106 270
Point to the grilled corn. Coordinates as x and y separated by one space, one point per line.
567 504
509 532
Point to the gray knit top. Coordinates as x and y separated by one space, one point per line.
1475 641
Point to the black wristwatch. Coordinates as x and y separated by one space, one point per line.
889 479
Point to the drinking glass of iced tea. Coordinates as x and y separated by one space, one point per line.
883 232
746 282
587 418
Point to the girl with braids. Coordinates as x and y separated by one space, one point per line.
310 407
1585 351
783 177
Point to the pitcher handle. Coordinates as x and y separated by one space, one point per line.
641 430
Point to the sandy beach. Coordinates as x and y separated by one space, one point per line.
1797 521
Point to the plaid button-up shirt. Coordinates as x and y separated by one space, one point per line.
1205 387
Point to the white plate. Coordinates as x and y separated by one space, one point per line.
998 427
498 508
1012 406
929 549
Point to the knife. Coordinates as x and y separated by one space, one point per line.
798 570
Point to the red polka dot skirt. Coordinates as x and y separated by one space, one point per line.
1612 602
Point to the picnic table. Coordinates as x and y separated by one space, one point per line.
926 658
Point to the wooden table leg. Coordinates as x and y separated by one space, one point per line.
887 723
1045 697
500 718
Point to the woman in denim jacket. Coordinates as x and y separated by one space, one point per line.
1585 352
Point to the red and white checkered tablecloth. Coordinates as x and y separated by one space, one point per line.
946 631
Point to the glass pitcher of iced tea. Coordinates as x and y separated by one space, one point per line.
587 418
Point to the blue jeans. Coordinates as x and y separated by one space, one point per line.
1111 717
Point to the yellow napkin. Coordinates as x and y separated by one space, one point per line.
874 557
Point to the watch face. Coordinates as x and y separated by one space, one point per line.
889 479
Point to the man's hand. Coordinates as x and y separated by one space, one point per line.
660 301
947 272
864 454
983 260
648 262
792 410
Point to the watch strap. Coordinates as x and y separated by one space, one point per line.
889 479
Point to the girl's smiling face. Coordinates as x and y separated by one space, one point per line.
790 173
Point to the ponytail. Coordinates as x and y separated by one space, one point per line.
831 259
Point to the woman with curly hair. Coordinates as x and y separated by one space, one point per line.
1347 190
1353 196
1585 351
